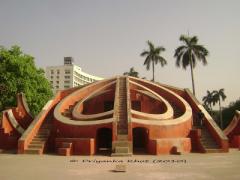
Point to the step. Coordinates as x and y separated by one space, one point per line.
210 150
35 146
122 131
119 149
122 137
42 134
121 143
39 138
33 151
37 143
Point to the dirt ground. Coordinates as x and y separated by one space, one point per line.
169 167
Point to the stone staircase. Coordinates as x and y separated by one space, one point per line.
122 108
38 143
208 142
122 147
206 139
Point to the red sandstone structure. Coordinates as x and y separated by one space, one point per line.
233 131
120 116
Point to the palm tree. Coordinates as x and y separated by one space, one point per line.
132 72
218 95
188 53
153 56
208 100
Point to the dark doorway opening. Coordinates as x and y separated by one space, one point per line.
140 140
108 105
104 141
136 105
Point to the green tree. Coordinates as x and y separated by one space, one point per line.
188 53
153 57
218 95
229 112
208 100
18 73
131 72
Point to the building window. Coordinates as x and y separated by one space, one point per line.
52 72
66 81
51 82
66 86
58 71
67 71
57 82
57 77
67 77
57 87
51 77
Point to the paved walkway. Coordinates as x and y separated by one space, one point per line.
169 167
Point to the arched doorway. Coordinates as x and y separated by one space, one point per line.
104 141
140 140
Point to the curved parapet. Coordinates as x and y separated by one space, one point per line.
166 118
234 125
163 112
233 131
19 117
22 113
77 99
77 111
23 102
14 122
167 114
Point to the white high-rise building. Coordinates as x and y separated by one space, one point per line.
68 75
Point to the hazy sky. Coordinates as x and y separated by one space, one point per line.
105 37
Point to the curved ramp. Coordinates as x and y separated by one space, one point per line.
233 131
234 126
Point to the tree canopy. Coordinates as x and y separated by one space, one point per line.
131 72
188 53
229 112
219 95
153 56
18 73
